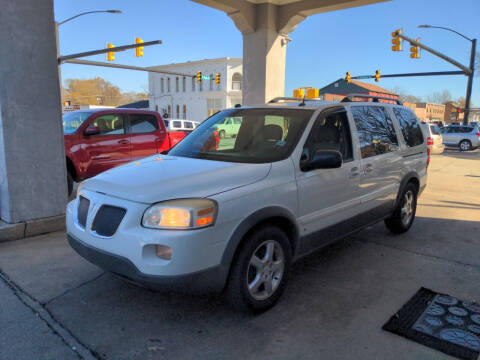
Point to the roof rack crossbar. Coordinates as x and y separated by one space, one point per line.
350 97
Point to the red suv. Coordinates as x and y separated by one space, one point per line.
99 139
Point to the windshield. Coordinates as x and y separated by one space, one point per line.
245 135
73 120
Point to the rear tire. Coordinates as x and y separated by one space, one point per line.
404 214
69 183
260 270
465 145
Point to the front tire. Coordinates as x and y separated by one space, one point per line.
402 218
260 270
465 145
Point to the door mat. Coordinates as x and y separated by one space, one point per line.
441 322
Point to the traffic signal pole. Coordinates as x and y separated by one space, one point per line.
432 73
470 82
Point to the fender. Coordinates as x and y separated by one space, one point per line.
409 176
253 220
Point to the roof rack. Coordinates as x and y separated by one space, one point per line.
350 97
300 100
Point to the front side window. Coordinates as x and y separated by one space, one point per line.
411 131
109 124
177 124
262 136
73 120
331 132
375 130
142 123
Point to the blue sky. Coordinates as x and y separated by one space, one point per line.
323 47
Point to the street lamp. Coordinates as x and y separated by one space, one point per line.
57 24
472 67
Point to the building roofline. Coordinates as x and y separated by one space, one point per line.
188 63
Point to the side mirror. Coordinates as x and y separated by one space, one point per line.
323 159
92 130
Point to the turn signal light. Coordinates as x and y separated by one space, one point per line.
164 252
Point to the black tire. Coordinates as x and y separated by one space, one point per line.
221 134
397 223
69 183
242 270
465 145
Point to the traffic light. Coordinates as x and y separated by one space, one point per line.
217 78
139 50
348 78
377 75
414 54
110 54
396 41
199 76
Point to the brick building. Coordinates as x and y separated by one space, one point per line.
430 112
337 90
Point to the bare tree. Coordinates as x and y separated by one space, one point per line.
404 97
440 97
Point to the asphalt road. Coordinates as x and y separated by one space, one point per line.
55 305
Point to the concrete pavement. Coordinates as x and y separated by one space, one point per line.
334 307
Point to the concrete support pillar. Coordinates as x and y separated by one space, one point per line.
32 157
264 53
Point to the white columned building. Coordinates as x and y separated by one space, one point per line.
182 97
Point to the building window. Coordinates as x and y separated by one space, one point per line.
162 87
168 85
193 83
213 106
184 84
200 85
211 82
169 111
178 111
184 112
237 81
176 84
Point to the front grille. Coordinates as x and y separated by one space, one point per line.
107 220
82 211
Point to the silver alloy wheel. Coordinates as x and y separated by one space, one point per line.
407 207
265 270
465 145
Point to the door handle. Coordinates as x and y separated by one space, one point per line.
354 172
123 141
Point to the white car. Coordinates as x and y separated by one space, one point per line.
180 125
234 217
434 138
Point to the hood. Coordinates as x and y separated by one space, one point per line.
159 178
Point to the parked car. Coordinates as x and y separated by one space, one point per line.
434 138
99 139
229 127
186 126
235 217
463 137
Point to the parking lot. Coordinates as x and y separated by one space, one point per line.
334 307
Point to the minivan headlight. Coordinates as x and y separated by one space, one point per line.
181 214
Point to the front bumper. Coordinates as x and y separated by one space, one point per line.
209 280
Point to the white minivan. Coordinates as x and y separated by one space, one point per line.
233 216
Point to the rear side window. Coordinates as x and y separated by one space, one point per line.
142 123
375 130
166 123
466 129
188 125
410 126
434 130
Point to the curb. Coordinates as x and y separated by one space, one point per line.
17 231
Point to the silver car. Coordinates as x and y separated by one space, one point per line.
464 137
434 138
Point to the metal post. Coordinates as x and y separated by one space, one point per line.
470 82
